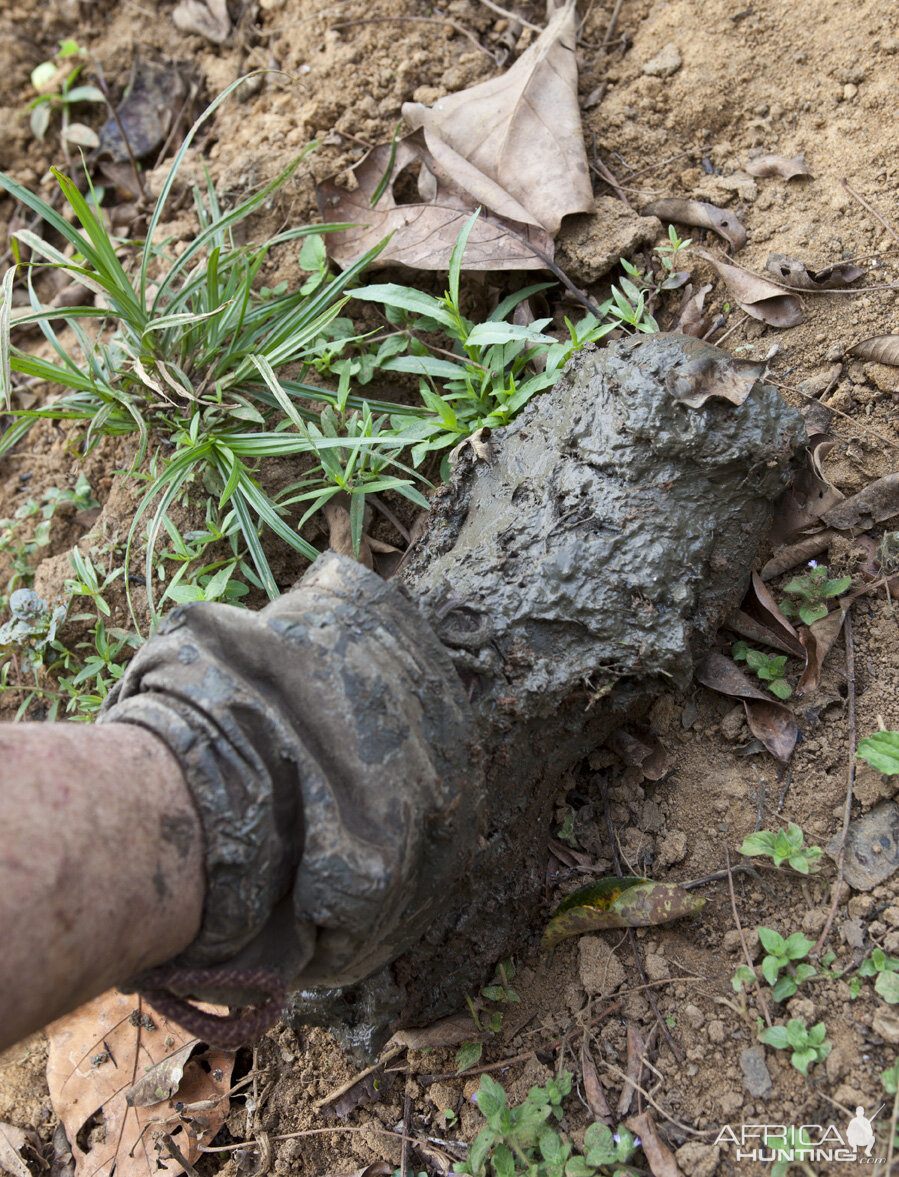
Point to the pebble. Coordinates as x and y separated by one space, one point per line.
599 969
886 1023
756 1078
850 90
716 1033
699 1160
665 63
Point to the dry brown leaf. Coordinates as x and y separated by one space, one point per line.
96 1055
593 1092
878 501
12 1141
769 721
759 619
701 216
792 272
143 119
636 1052
884 349
646 752
818 640
798 553
709 373
375 1169
371 1085
811 495
568 856
422 235
210 19
690 319
446 1032
758 297
658 1154
764 166
514 143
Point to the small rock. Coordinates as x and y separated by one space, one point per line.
665 63
672 850
694 1016
890 916
882 376
732 942
872 848
891 943
589 245
861 906
872 786
890 45
741 183
716 1032
852 932
850 90
813 921
804 1008
699 1160
756 1078
732 723
836 1064
886 1023
656 967
600 970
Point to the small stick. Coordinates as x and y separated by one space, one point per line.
837 412
101 78
733 905
847 809
601 170
731 330
873 211
677 1123
387 1057
407 1117
560 274
613 21
511 15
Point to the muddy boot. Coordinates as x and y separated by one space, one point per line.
411 745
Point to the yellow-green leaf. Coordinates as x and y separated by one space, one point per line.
629 902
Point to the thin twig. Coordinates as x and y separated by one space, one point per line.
387 1057
677 1123
837 412
850 784
733 905
731 330
138 178
603 172
613 21
407 1117
873 211
510 15
560 274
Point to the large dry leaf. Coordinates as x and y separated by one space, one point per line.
810 497
12 1141
514 143
646 752
818 640
422 235
210 19
769 721
690 318
878 501
759 618
793 272
593 1092
884 349
98 1054
776 165
658 1154
701 216
628 902
637 1050
449 1031
758 297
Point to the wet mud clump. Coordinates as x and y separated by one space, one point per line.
573 574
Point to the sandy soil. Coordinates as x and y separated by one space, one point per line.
818 78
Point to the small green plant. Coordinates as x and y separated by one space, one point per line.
523 1141
813 590
55 83
499 989
770 668
566 832
881 751
808 1046
669 256
24 552
791 1148
885 970
782 956
784 846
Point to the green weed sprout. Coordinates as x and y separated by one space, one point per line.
769 668
813 589
790 1149
886 971
881 751
782 955
784 846
523 1141
808 1046
54 82
188 349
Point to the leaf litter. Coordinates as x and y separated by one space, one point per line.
764 166
512 145
793 272
98 1057
699 215
769 721
883 349
628 902
758 297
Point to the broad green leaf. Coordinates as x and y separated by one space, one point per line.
467 1055
775 1036
881 751
772 941
887 985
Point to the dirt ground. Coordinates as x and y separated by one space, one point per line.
818 78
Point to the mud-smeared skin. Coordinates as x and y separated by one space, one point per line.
611 531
